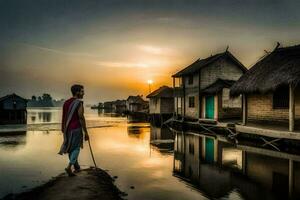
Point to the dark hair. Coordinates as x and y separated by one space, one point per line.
76 88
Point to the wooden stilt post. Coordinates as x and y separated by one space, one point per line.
177 103
244 100
244 161
199 95
291 177
183 84
291 108
175 98
215 150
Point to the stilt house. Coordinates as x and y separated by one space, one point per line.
136 104
271 90
161 105
202 88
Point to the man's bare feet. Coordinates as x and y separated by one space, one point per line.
69 172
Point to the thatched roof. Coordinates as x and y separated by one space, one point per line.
162 92
217 86
200 63
280 67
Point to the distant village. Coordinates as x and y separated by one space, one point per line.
133 104
217 91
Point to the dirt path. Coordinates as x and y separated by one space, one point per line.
88 184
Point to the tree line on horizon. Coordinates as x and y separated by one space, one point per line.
45 100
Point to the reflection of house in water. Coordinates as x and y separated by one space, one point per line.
217 168
33 118
137 130
45 116
162 138
13 109
12 139
138 117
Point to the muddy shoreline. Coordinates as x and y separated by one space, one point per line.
90 183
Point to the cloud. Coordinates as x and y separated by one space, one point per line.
155 50
121 64
57 51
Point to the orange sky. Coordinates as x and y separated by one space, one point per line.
113 47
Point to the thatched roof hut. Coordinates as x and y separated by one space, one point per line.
278 68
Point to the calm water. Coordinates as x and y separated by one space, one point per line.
160 164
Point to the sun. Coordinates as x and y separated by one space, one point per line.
149 81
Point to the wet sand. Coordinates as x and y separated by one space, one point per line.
88 184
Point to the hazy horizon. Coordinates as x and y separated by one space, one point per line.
113 47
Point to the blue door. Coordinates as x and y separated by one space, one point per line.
209 150
209 107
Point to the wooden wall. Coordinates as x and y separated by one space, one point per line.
161 105
260 107
223 68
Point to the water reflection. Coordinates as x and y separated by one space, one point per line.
137 130
43 115
220 169
108 113
140 117
203 166
12 140
162 139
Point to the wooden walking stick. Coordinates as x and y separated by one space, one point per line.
92 154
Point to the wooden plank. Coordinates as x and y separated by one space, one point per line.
268 132
207 121
267 152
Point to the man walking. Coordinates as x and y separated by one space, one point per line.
73 123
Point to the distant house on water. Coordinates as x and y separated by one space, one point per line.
202 88
108 106
136 104
270 89
119 106
161 105
13 109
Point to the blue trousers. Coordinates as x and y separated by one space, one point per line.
73 156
